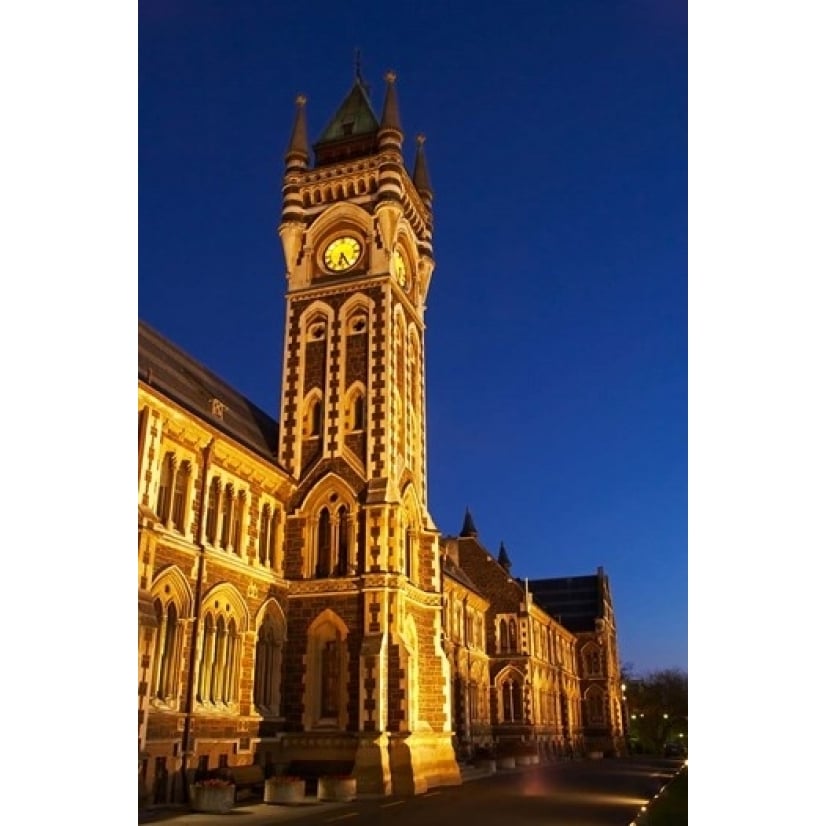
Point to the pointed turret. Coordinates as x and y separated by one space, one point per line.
391 168
421 178
504 560
391 127
296 159
298 151
468 528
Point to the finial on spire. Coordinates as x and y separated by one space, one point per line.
359 78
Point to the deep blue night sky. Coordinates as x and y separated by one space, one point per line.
556 344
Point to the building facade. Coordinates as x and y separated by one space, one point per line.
296 603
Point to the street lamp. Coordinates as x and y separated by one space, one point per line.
626 725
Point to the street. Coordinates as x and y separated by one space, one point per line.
606 792
580 793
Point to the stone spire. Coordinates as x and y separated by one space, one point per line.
390 119
421 178
468 528
504 560
391 168
298 152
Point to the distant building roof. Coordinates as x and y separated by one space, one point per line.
166 367
575 601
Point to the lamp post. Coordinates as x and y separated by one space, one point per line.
665 728
626 726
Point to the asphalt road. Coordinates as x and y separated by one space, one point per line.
580 793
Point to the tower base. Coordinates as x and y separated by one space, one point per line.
422 760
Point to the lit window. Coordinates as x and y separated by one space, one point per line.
165 487
179 496
268 650
323 554
312 417
511 693
220 658
164 683
212 511
268 536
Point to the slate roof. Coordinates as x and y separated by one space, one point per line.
165 367
576 601
451 569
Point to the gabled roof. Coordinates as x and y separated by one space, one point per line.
451 569
165 367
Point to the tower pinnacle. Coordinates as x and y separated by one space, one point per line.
298 151
421 178
468 528
390 114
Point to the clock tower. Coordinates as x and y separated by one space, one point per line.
369 677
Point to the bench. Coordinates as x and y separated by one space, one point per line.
247 779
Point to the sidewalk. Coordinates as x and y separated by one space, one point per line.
255 813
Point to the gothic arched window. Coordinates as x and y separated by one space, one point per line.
220 657
165 487
343 551
212 511
164 683
511 693
268 648
324 550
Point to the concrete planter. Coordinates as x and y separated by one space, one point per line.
505 762
337 788
488 764
595 755
284 790
524 759
216 799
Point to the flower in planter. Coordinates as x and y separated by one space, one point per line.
213 783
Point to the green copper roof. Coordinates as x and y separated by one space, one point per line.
354 117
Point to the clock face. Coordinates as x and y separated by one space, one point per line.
399 267
342 253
